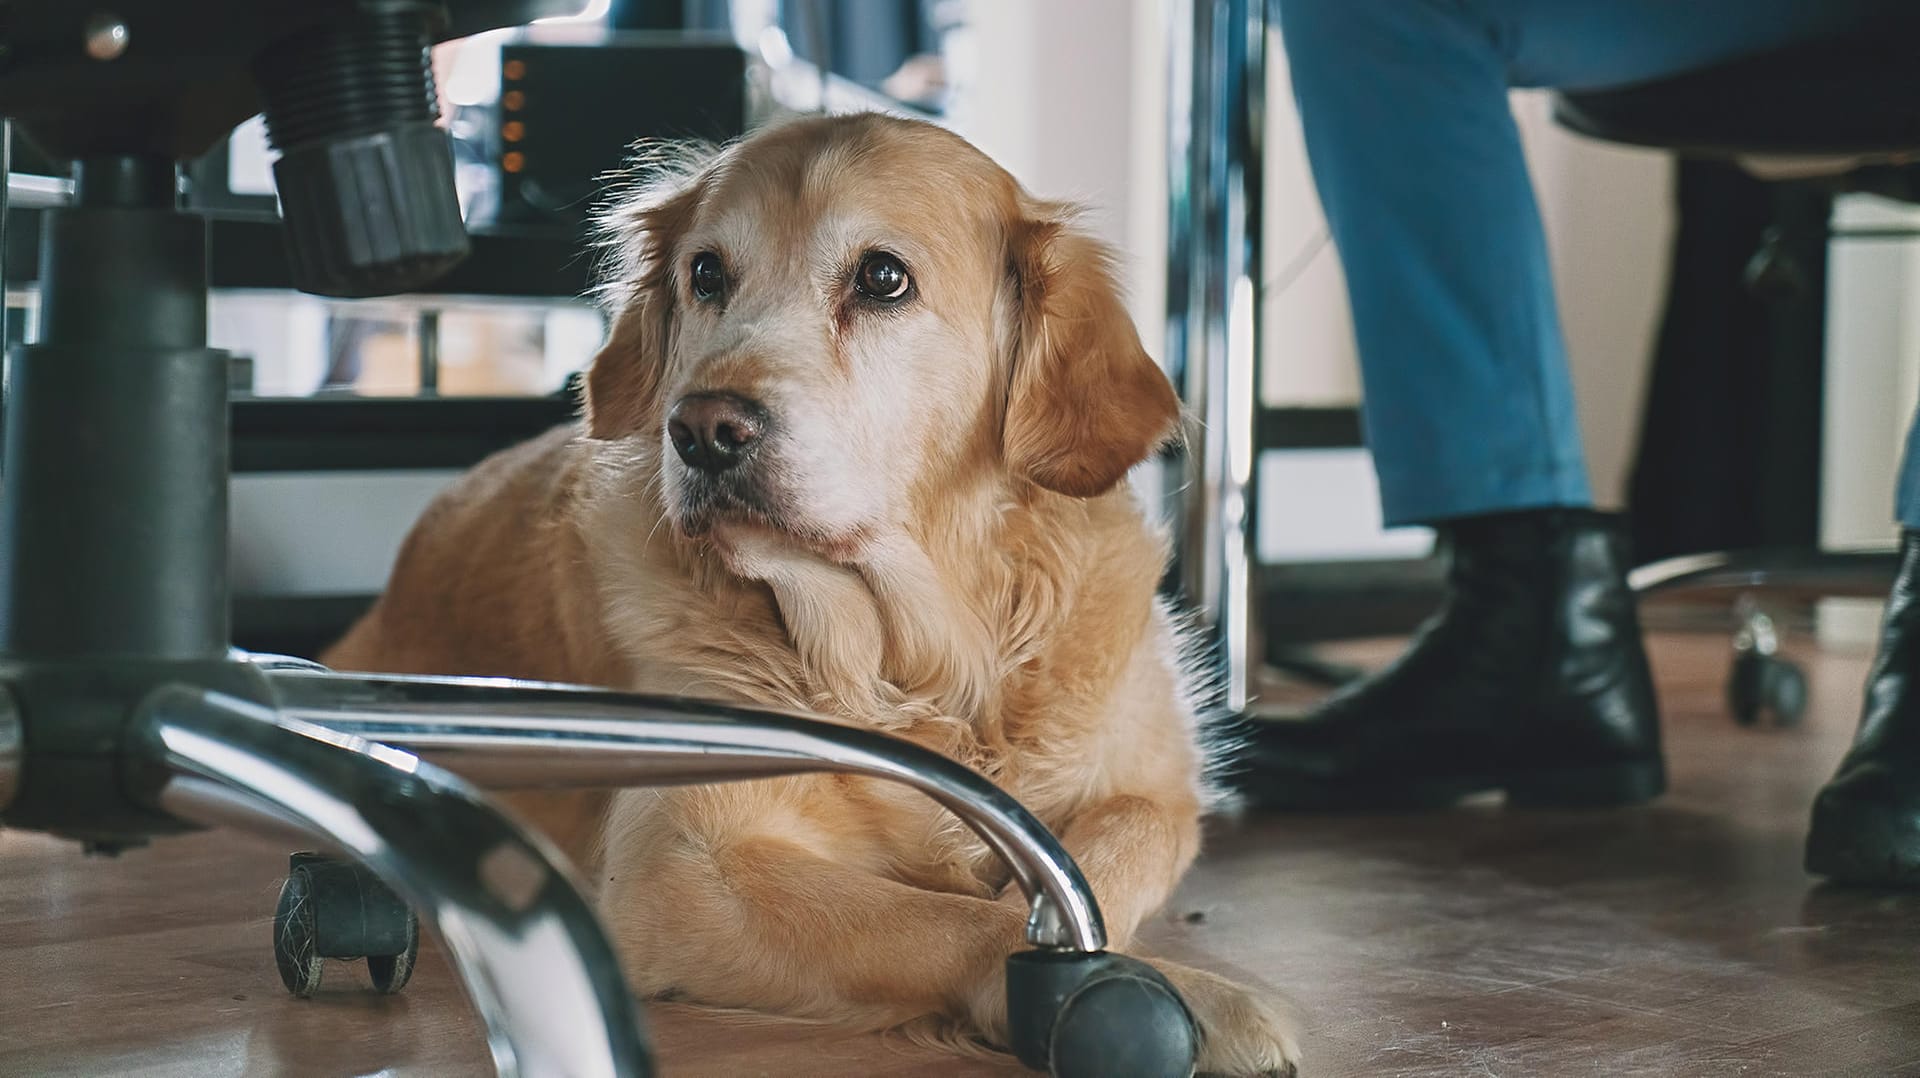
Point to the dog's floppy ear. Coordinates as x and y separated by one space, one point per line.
638 233
1086 403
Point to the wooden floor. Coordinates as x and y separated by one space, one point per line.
1678 939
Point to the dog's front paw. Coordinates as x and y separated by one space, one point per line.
1243 1034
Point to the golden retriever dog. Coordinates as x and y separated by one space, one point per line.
856 446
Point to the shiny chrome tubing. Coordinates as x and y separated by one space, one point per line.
539 969
504 733
269 663
1216 113
1814 574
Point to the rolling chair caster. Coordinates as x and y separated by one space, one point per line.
1762 688
1075 1014
1762 685
339 909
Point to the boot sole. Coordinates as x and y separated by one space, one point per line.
1862 846
1604 786
1607 786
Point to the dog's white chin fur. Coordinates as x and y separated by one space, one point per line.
750 550
753 550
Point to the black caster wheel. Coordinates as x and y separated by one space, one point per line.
1079 1015
391 972
335 909
295 950
1766 687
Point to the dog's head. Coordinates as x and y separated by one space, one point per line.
826 328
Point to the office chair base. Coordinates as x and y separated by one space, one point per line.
1071 1005
502 898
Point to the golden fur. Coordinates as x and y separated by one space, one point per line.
947 553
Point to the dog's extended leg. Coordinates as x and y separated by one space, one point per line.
764 923
1132 850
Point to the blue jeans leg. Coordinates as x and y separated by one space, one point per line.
1469 407
1907 499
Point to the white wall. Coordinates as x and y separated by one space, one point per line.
1609 217
1069 96
1871 381
1052 100
1872 371
1307 332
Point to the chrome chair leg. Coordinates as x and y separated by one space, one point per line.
1073 1008
1809 573
268 663
506 734
535 961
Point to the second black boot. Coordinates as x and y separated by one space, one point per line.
1531 679
1866 822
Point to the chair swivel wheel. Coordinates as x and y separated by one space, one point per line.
1080 1015
1762 686
335 909
295 950
391 972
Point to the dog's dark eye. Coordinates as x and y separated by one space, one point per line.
881 276
707 276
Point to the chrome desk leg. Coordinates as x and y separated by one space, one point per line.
535 961
506 733
1216 154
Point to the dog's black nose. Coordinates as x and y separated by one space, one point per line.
715 431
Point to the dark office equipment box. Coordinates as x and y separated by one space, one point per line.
569 114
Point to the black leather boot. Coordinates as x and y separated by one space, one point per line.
1866 822
1531 679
